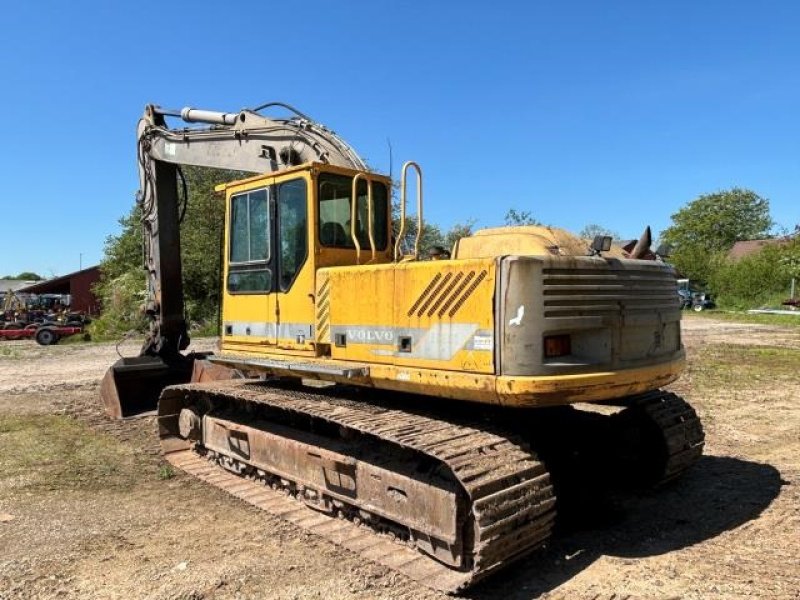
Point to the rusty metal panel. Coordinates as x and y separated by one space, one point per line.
502 496
307 458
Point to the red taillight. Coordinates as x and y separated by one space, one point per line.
557 345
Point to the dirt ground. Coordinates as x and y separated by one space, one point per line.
89 510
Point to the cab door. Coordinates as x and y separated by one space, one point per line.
250 268
294 290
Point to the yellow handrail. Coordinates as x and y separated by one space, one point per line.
354 215
403 178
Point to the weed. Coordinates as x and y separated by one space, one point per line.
166 472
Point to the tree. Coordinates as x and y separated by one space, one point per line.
123 252
123 280
432 235
789 260
759 279
201 241
717 221
25 275
457 231
515 218
29 276
712 223
589 232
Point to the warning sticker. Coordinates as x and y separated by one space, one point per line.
482 342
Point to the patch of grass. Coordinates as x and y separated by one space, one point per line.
79 338
50 452
743 317
9 352
205 329
731 366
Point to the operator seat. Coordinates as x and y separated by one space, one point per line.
332 234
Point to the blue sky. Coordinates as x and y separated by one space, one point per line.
616 113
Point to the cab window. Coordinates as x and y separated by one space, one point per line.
334 212
249 251
293 230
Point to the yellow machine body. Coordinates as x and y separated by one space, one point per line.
518 317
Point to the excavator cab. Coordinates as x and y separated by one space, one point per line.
279 229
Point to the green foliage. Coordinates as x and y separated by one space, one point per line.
744 317
201 242
432 234
208 328
122 288
29 276
123 253
122 299
717 221
757 280
165 471
789 258
712 223
457 231
24 276
590 231
695 262
515 218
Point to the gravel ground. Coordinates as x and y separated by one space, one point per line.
118 524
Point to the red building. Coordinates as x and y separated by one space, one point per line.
78 285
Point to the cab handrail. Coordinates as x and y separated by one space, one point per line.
401 232
354 215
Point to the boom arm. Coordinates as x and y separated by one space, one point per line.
243 141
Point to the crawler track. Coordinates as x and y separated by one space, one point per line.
668 436
681 431
502 496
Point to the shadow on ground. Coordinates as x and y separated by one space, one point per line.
716 495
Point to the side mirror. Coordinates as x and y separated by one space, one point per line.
601 243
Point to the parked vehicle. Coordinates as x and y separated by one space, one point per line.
693 297
45 334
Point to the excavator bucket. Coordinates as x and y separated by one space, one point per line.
133 384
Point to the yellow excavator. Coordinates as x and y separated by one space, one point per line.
395 405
